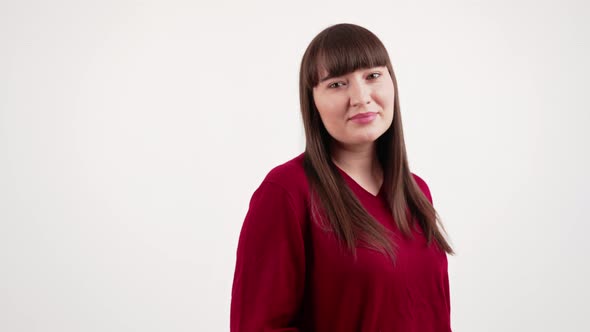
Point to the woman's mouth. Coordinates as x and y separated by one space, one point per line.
364 117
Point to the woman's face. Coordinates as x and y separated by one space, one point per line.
356 108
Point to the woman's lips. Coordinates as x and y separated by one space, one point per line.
364 117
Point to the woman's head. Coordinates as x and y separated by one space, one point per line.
346 71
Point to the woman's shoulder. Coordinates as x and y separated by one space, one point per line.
290 175
423 186
286 183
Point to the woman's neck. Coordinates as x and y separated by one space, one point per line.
361 162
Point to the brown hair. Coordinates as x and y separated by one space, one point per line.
341 49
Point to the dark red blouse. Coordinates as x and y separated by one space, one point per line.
291 275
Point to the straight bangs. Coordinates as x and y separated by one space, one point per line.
343 51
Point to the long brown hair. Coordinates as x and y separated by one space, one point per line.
341 49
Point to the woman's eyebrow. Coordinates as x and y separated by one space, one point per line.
332 76
327 78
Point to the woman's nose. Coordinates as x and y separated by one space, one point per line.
359 94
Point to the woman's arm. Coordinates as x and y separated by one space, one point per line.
270 264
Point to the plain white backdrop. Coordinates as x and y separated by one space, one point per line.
133 133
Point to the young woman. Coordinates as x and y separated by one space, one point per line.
343 237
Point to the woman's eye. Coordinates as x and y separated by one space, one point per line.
371 76
374 75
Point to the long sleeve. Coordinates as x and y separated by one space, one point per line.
269 276
447 294
426 190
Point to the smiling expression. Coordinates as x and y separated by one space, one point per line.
356 108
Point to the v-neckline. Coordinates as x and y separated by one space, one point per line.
357 185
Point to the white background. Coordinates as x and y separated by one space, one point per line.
133 133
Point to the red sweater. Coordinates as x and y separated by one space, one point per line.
291 276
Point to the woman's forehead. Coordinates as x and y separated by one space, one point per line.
322 72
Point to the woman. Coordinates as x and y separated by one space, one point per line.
343 237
